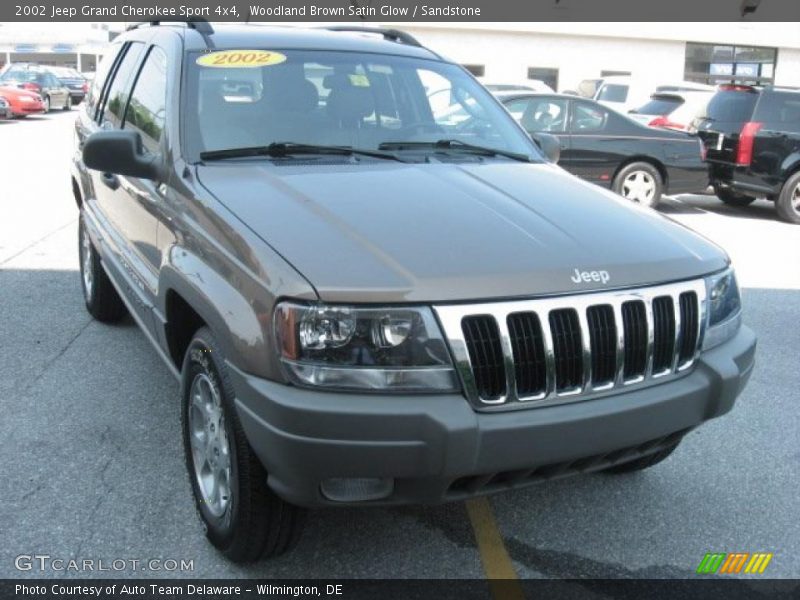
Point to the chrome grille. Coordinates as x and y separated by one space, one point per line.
561 349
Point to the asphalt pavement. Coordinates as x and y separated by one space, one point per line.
92 463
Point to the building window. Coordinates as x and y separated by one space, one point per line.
718 63
549 76
615 73
477 70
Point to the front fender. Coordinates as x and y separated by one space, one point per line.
240 321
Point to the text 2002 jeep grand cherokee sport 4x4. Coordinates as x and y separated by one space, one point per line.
370 302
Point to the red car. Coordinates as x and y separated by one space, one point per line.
23 102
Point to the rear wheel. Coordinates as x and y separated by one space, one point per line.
243 517
47 104
102 300
788 203
732 198
642 463
68 103
639 182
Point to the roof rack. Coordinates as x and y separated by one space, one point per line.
394 35
200 25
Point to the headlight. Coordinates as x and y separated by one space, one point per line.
373 349
26 99
724 308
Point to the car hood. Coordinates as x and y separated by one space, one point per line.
392 232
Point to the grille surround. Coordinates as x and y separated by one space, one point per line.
451 316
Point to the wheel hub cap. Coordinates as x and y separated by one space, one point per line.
639 186
86 263
209 444
796 199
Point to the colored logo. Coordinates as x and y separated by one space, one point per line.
733 563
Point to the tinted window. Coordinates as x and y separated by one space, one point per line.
116 95
588 118
100 78
662 105
539 114
731 106
147 106
781 110
613 92
343 98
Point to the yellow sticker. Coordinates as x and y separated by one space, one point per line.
241 59
359 80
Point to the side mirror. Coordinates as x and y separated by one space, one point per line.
120 153
549 145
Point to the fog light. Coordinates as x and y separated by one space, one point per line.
356 489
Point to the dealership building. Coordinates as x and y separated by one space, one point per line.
559 53
562 53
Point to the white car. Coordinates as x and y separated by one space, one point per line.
672 110
624 93
525 85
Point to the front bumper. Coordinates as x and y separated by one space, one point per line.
437 448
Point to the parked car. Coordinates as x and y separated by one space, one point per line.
624 93
78 85
22 102
752 140
525 85
607 148
672 110
35 79
366 311
5 109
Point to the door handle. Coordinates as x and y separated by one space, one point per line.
110 180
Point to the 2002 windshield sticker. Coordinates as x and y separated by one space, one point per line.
240 59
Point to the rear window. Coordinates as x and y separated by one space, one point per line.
780 109
613 92
660 105
731 106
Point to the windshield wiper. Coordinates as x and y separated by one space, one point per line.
456 145
282 149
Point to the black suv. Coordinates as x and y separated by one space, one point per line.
752 140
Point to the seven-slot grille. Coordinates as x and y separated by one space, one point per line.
554 350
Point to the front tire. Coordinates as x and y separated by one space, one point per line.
732 198
46 104
67 104
788 203
102 300
244 519
639 182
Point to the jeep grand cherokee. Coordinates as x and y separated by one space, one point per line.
370 301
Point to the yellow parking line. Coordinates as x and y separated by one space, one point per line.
497 565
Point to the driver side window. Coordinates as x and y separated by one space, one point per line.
588 118
539 114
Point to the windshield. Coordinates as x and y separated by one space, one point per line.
348 99
736 106
613 92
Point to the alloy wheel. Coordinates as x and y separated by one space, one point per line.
86 263
639 186
208 437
